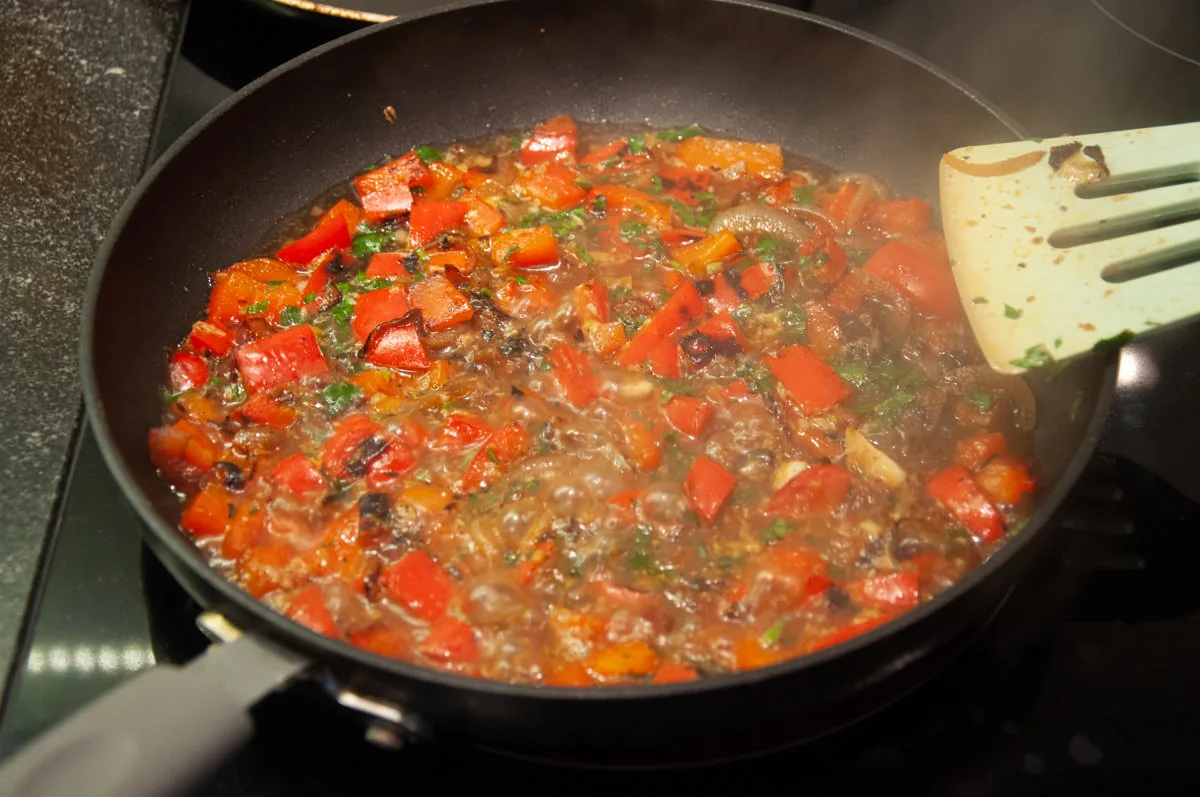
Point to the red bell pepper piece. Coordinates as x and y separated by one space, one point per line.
926 283
763 161
430 218
419 584
384 472
756 280
327 236
723 297
664 360
525 248
722 327
349 211
208 338
595 160
553 187
975 452
688 415
308 609
261 408
838 203
451 641
384 640
281 358
523 299
705 256
482 219
462 431
443 178
899 216
629 201
441 304
643 442
298 476
1005 480
820 489
574 375
672 673
386 192
813 385
375 307
461 260
955 490
387 265
895 590
505 446
187 371
591 302
553 138
346 454
707 487
207 514
397 344
683 305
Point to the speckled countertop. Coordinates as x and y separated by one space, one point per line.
79 81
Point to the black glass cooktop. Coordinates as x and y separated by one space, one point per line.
1085 683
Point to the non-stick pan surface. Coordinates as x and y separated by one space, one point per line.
740 68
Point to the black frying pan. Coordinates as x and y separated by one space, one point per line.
742 68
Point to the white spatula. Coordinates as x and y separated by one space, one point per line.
1061 243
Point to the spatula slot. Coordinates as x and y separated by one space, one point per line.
1155 262
1133 182
1129 224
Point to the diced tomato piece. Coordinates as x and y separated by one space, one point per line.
624 659
838 203
482 219
523 298
462 431
386 192
451 641
389 265
975 452
430 218
1005 480
443 178
813 385
683 305
384 472
604 338
629 201
573 673
268 567
299 476
899 216
210 339
441 304
207 514
705 256
762 161
574 375
824 333
244 532
460 260
374 307
386 640
687 178
598 160
591 301
198 451
397 344
664 360
820 489
525 248
344 209
308 609
419 584
261 408
317 287
281 358
955 490
688 415
707 487
895 590
723 297
926 283
722 327
346 453
671 673
757 279
553 186
327 236
167 445
505 446
552 139
187 371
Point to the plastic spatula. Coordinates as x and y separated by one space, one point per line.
1062 243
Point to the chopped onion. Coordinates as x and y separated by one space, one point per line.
863 456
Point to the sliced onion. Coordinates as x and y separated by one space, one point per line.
863 456
762 219
996 169
823 222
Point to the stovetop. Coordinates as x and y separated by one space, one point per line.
1085 683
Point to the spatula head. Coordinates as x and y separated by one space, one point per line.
1060 244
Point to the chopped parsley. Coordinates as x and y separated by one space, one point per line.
979 300
368 243
342 311
258 308
771 635
427 154
680 133
1034 357
1012 312
291 316
980 399
1115 342
309 297
339 396
608 163
642 556
637 144
795 324
803 195
777 529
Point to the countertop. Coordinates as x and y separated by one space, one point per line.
79 81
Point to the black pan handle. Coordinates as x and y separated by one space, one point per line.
159 733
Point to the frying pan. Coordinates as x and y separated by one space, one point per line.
742 68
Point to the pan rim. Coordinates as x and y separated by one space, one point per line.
320 648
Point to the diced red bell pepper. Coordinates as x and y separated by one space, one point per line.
606 338
820 489
1005 480
482 219
955 490
524 299
664 360
307 607
552 139
208 513
574 375
461 260
762 161
208 338
926 283
975 452
688 415
257 292
672 673
683 305
591 301
187 371
554 186
430 218
375 307
298 476
707 487
686 178
597 159
643 442
387 265
385 192
281 358
899 216
895 590
838 203
723 297
722 327
344 454
525 248
397 344
268 567
758 279
329 235
347 210
261 408
629 201
505 446
385 470
462 431
705 256
419 584
385 640
451 641
443 178
441 304
813 385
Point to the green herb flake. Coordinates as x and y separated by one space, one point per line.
642 555
514 143
342 311
309 297
339 396
1034 357
170 397
777 529
637 144
685 213
980 399
1017 527
979 300
855 373
608 163
771 635
1153 324
680 133
520 280
1012 312
1115 342
427 154
1058 343
258 308
291 316
369 243
492 455
803 195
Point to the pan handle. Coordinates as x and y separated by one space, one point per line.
159 733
